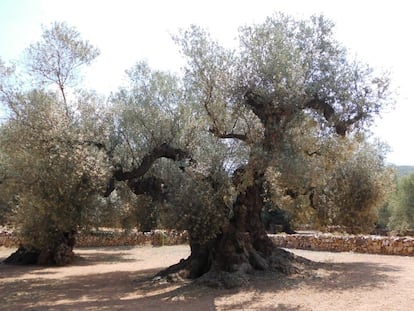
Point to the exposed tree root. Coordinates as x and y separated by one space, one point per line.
279 260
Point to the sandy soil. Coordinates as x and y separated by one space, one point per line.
120 278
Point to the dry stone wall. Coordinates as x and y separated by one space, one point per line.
370 244
111 238
156 238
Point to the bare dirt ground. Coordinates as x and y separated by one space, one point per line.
120 278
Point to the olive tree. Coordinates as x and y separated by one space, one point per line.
53 174
234 127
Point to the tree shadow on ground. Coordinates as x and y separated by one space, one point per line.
83 258
344 276
322 277
106 291
136 290
92 255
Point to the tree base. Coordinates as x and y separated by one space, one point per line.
60 255
63 255
279 260
23 256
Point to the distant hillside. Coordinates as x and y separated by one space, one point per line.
403 170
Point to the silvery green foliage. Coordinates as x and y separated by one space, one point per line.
287 62
147 112
283 64
152 109
202 205
60 53
293 60
58 57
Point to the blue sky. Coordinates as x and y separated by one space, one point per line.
126 31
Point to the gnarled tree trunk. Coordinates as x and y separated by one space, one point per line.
242 247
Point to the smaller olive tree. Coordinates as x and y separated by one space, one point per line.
55 158
358 187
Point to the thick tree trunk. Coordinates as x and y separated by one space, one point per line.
242 247
60 254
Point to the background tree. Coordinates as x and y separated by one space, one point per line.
402 205
355 191
308 164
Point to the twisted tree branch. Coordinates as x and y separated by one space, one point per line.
162 151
